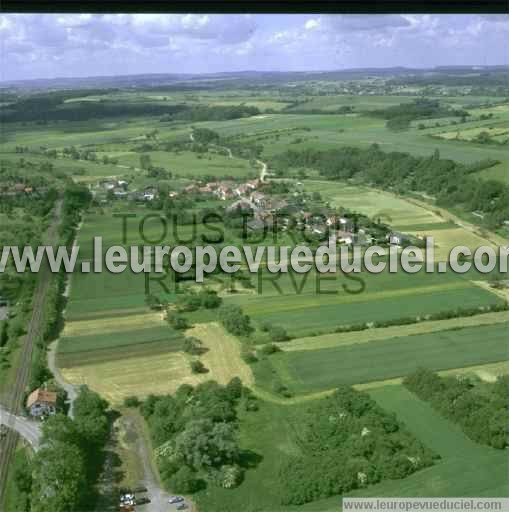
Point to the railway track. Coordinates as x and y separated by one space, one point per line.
34 329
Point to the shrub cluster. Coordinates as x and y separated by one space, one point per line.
235 321
195 434
482 416
349 442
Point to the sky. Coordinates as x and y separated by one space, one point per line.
77 45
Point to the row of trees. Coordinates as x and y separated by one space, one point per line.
349 442
450 182
483 416
400 116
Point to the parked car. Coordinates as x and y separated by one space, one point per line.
182 506
142 501
139 489
176 499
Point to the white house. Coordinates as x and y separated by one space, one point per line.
41 403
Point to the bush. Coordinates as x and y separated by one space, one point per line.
132 401
210 299
178 321
228 476
192 345
235 321
269 349
198 367
248 356
278 333
188 301
184 481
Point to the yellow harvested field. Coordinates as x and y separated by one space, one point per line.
446 239
383 333
163 373
472 133
141 376
502 292
223 355
113 324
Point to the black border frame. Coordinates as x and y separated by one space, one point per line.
260 6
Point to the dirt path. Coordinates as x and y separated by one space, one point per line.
70 389
264 167
263 172
159 498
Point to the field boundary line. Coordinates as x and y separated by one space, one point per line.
384 333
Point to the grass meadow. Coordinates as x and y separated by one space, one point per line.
319 370
271 434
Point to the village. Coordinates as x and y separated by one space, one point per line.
267 207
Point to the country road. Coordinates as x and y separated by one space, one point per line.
29 430
264 167
70 389
263 172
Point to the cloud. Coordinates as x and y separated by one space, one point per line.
312 23
90 44
367 22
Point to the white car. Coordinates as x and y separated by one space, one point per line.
176 499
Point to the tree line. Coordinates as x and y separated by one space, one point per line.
481 413
448 181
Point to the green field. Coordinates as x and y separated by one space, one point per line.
312 303
465 468
329 131
318 370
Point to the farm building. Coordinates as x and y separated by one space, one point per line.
397 238
41 403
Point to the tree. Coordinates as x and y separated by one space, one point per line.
192 345
4 336
234 388
184 481
60 428
278 333
234 320
204 444
177 321
198 367
58 478
210 299
91 419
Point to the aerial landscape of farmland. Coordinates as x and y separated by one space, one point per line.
276 389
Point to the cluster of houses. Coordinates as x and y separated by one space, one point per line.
225 189
268 211
118 189
16 189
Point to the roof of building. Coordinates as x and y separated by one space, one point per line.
41 395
